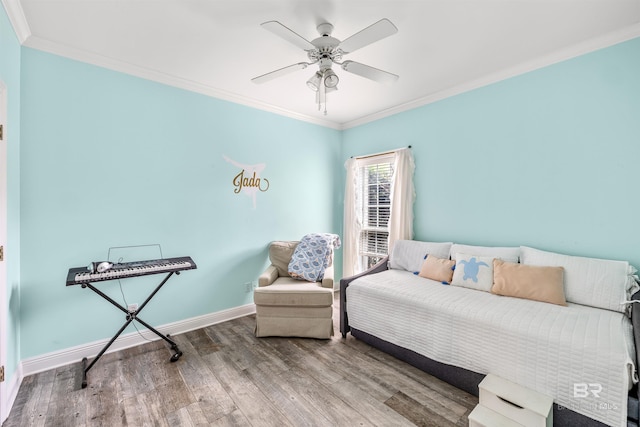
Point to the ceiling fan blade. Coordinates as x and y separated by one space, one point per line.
369 72
381 29
280 72
289 35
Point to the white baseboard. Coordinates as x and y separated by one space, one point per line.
75 354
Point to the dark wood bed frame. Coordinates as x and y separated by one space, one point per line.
468 380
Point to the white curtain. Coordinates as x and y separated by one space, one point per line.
352 224
401 216
403 195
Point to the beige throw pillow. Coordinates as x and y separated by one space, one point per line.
439 269
526 281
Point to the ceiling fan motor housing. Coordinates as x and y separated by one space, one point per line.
326 47
325 29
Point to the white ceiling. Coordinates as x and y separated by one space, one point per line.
442 47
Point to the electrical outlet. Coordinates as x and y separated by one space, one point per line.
248 287
132 307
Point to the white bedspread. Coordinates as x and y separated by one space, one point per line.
564 352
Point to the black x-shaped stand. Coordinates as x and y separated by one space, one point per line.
130 317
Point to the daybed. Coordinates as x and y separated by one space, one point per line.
573 341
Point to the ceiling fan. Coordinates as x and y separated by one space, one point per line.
326 51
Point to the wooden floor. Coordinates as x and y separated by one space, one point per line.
227 377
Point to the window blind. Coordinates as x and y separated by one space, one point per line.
374 194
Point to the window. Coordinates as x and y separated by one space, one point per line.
378 207
374 195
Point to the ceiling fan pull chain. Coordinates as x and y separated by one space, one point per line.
325 99
323 93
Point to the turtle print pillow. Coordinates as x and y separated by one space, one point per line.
475 272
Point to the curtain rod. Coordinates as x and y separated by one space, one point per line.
379 154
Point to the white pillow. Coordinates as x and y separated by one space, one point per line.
510 254
475 272
409 254
589 281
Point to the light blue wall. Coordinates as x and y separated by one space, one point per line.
548 159
10 75
544 159
113 160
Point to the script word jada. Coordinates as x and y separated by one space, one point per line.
240 181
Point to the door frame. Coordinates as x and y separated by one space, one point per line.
4 301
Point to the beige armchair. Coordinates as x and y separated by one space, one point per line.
288 307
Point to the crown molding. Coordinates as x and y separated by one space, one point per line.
167 79
583 48
17 19
23 33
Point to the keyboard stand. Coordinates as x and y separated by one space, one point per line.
130 317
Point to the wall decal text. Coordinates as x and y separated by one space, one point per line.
248 180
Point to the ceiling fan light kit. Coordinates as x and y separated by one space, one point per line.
314 81
330 78
326 51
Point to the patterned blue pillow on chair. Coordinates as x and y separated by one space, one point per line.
312 256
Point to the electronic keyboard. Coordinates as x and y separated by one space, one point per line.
81 275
